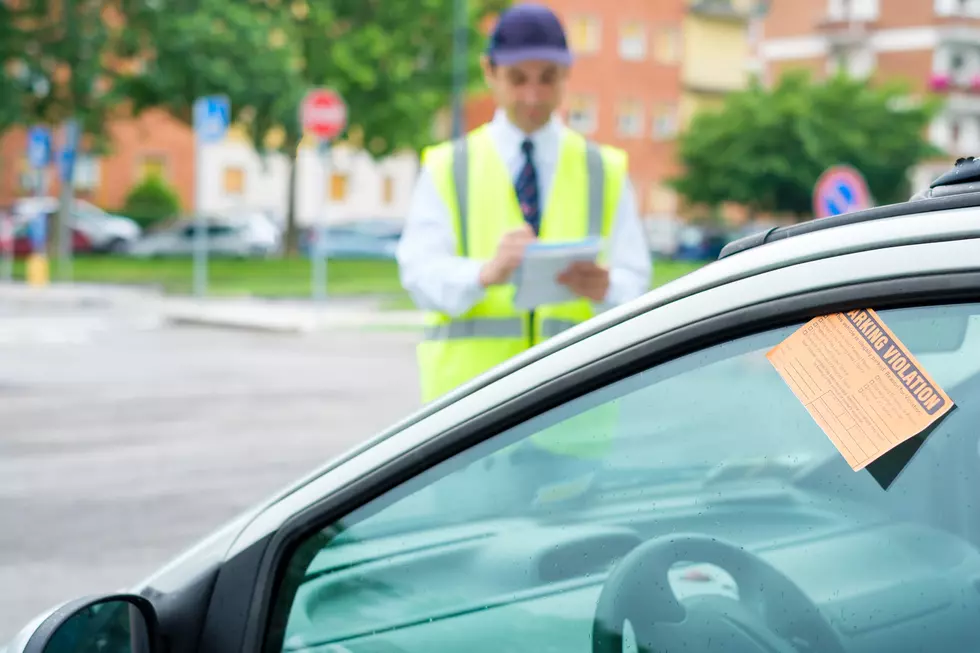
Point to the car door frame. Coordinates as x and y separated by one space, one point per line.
942 272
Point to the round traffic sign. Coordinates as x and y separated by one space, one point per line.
323 114
840 189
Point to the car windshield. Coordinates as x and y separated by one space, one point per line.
713 443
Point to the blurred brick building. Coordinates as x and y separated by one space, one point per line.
934 45
155 143
643 68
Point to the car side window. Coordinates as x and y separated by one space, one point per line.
663 509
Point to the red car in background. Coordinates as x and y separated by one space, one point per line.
22 245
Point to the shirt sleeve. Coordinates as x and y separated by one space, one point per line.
432 273
630 260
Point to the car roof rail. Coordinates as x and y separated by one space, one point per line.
957 188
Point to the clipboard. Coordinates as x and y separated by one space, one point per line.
536 278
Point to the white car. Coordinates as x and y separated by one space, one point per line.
105 231
232 237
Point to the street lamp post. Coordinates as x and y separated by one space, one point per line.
460 60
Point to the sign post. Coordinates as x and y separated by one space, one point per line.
7 235
39 157
212 116
323 114
840 189
66 174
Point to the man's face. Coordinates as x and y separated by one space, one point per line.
529 92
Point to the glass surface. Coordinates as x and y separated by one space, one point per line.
507 547
113 626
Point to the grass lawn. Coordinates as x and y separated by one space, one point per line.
272 278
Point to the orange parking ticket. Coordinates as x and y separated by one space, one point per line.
860 383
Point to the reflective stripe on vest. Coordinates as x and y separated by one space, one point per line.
513 327
506 327
597 187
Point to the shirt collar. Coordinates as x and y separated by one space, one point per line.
509 136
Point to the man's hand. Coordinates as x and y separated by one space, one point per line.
586 279
510 253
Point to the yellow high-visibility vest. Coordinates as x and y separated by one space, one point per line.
476 186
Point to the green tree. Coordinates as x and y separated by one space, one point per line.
392 63
150 201
766 148
64 62
10 87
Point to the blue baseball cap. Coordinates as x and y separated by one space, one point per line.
528 32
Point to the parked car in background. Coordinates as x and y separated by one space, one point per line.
698 243
24 242
243 236
105 232
368 239
663 236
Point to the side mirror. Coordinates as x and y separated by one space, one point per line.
120 623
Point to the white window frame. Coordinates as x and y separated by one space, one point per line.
593 35
673 118
632 111
87 173
634 48
589 122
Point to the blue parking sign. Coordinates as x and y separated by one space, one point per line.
212 116
38 147
840 189
69 149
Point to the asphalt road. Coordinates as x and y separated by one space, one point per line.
121 443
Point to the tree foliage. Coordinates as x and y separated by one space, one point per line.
391 62
151 200
10 87
64 65
766 148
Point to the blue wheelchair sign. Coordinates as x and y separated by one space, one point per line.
38 147
212 116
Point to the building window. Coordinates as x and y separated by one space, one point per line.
153 165
857 62
667 45
234 181
388 189
958 8
861 10
584 34
27 177
338 186
582 114
629 119
633 41
88 173
661 200
664 122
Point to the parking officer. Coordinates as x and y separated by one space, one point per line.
480 200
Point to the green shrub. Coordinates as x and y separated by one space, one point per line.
151 201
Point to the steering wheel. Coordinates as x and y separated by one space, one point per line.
772 614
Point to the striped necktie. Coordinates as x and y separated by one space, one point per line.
527 188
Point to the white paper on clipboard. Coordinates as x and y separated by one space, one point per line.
537 277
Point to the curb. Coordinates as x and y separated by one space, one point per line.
297 324
71 295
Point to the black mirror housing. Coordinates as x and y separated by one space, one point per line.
121 623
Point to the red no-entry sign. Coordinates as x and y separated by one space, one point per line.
323 114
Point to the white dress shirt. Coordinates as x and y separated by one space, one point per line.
438 279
